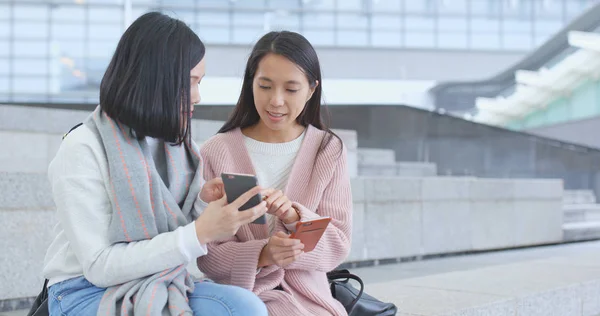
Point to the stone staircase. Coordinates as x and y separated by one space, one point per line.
374 162
581 215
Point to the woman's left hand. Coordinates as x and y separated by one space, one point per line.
212 190
279 205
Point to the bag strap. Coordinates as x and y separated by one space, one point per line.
73 128
345 274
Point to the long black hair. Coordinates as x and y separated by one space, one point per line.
147 83
298 50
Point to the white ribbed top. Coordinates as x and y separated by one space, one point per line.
273 163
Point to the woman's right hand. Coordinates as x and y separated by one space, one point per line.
220 220
281 250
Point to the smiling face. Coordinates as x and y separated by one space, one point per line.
281 90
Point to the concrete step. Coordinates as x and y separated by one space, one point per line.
559 286
581 231
577 213
579 197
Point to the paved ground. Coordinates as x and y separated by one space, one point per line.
392 272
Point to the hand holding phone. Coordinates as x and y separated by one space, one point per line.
236 185
309 232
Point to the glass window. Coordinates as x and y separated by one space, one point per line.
517 26
549 9
100 48
387 39
285 21
249 4
452 24
485 8
411 6
485 40
64 13
187 16
284 4
575 7
4 29
4 66
213 18
71 48
214 34
104 32
318 20
30 12
386 22
517 41
351 5
320 37
547 26
105 14
388 6
420 39
67 31
419 24
247 35
31 30
4 47
28 85
4 86
248 19
30 67
452 40
352 21
215 3
453 7
328 5
522 9
30 48
485 25
4 11
352 38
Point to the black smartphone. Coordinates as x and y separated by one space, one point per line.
238 184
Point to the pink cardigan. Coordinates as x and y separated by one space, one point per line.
318 185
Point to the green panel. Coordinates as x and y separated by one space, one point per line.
535 119
557 111
583 101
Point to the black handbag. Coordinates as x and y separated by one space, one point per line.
356 302
40 305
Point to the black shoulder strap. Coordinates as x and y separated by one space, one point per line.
72 128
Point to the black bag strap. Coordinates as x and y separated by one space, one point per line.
74 127
345 274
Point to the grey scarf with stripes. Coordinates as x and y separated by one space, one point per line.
143 206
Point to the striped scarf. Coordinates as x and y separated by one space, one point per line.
143 206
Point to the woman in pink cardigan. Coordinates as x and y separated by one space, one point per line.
276 133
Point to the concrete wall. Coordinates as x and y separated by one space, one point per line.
584 132
405 217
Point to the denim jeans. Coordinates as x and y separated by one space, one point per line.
80 297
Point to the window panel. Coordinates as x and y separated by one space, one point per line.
67 31
247 36
420 39
387 39
386 22
68 13
30 48
320 37
318 20
452 40
30 30
30 67
352 38
214 34
419 24
213 18
352 21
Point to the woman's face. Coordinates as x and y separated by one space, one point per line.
281 90
196 75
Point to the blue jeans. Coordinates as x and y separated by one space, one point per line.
80 297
